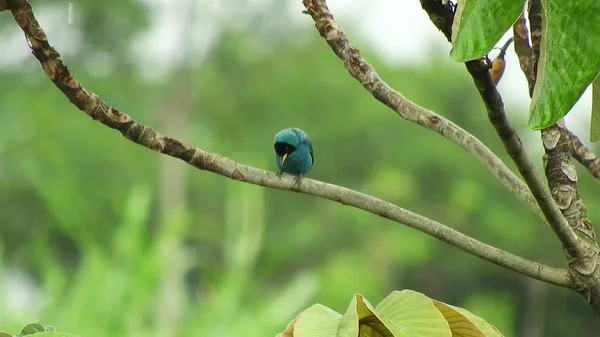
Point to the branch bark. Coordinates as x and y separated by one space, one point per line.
440 15
92 105
585 156
562 179
364 73
524 51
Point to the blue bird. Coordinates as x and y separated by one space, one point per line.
293 152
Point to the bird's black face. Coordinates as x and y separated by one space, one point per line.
283 148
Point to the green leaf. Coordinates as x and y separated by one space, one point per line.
49 328
569 59
479 24
5 334
459 323
360 319
52 334
32 328
488 329
408 310
595 123
316 321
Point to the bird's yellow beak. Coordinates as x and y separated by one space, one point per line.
283 158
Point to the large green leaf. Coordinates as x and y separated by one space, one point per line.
595 123
316 321
487 329
569 59
479 24
460 324
408 313
360 319
51 334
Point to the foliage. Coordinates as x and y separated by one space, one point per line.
403 313
37 329
118 241
570 44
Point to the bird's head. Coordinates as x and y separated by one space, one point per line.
286 141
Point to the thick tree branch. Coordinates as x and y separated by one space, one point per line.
440 15
562 179
143 135
370 80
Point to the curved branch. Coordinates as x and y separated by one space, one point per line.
584 156
441 14
370 80
91 104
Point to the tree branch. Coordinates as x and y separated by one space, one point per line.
526 57
370 80
523 50
91 104
585 156
441 14
562 179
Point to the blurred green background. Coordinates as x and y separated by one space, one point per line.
101 237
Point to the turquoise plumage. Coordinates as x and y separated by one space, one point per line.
293 152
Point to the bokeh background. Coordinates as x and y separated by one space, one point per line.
101 237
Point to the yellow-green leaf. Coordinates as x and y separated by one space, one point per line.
460 325
408 313
317 321
485 327
360 319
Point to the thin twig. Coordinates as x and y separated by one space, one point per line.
91 104
497 116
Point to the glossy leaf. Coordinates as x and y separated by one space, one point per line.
479 24
569 59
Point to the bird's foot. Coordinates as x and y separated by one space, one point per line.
279 174
297 181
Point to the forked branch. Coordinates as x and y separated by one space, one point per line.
91 104
364 73
440 15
